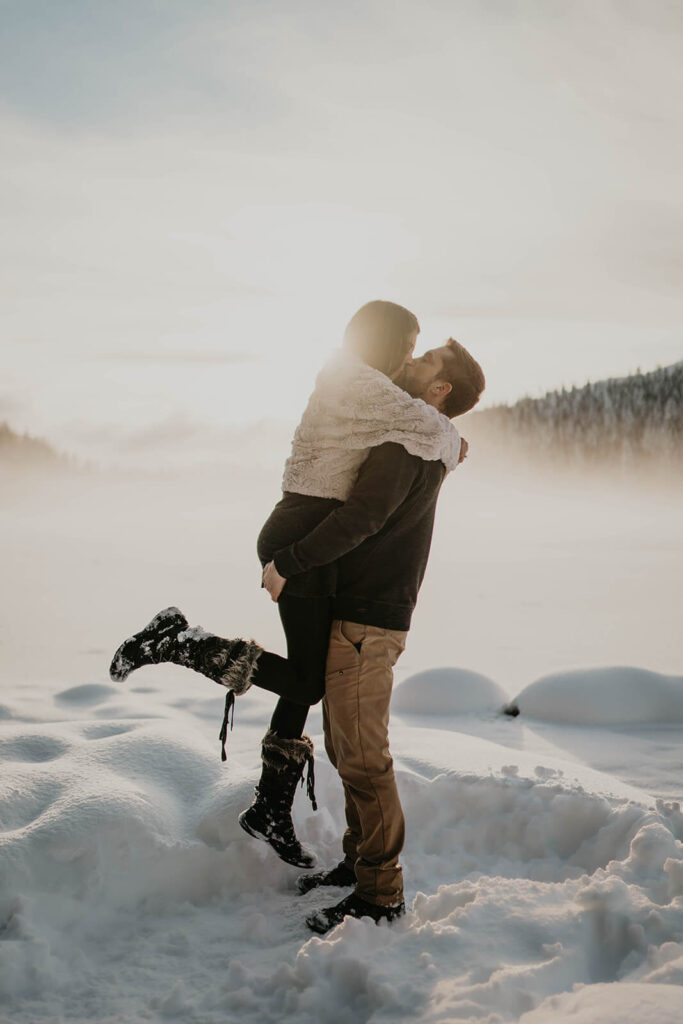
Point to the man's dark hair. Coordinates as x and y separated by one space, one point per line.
466 377
379 333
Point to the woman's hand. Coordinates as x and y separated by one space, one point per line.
272 580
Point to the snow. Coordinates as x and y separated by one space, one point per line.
130 893
614 695
447 691
544 853
611 1004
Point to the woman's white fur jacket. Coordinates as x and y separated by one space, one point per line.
354 408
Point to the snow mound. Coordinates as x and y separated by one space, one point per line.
82 803
451 691
603 696
89 693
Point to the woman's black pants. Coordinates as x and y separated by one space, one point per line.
298 679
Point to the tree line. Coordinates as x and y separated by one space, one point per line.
619 420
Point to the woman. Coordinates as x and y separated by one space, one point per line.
354 406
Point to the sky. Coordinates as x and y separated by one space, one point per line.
197 196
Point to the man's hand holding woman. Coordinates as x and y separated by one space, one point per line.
464 448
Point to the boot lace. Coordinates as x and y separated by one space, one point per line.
310 781
223 734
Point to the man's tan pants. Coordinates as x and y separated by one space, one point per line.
358 685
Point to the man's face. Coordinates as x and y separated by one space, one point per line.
417 375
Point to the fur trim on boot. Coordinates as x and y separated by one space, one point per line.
230 663
276 750
284 754
270 815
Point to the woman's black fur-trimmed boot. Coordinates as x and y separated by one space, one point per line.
170 638
270 816
150 646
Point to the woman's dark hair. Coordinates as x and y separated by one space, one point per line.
380 334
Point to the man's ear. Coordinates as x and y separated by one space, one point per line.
440 388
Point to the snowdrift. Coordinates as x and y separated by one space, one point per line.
447 691
129 892
604 696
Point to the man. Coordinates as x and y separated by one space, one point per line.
386 527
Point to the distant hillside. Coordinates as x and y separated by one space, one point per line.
21 450
618 420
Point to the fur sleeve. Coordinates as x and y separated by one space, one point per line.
362 405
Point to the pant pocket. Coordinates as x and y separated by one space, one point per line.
343 656
353 632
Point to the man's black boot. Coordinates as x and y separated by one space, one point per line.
341 876
352 906
270 815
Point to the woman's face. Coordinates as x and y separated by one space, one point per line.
412 340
